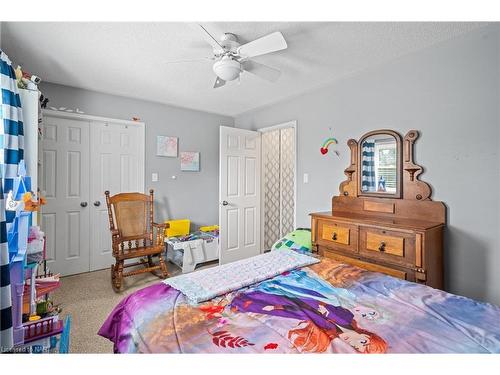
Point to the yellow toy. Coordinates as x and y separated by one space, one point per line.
209 228
177 228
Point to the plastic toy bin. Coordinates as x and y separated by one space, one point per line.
188 252
177 227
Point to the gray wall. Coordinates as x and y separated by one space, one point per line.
449 92
192 195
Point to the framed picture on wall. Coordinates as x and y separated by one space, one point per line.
166 146
190 161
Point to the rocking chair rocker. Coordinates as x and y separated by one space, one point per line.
134 235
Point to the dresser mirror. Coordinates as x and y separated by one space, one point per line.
380 164
382 167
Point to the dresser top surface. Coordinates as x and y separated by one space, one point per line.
393 222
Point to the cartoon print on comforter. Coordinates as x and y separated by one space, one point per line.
328 307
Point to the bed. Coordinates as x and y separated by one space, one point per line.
327 307
288 302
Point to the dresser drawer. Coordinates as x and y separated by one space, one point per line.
387 245
337 234
400 274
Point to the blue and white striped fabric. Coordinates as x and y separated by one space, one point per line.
368 182
11 152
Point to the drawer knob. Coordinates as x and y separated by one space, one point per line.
334 236
382 246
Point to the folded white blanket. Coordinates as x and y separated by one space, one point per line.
206 284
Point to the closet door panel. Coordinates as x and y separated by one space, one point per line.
115 166
65 184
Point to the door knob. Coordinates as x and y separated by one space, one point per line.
97 203
83 204
224 203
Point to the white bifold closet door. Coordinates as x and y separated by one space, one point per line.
80 160
278 183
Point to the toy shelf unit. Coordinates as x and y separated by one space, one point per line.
47 335
188 250
40 329
40 320
18 242
34 322
30 287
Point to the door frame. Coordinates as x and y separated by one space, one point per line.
283 125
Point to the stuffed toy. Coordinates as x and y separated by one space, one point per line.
299 240
26 80
19 78
32 202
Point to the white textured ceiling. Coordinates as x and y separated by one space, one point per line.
128 59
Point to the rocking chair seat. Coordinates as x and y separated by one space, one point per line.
140 252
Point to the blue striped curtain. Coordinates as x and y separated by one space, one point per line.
368 182
11 153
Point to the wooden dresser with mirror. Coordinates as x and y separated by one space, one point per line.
384 219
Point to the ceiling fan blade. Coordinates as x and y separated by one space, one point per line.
261 70
200 59
219 82
267 44
209 38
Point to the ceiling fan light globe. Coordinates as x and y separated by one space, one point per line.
227 69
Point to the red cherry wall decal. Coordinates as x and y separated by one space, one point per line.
323 150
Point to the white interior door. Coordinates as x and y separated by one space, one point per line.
239 194
65 184
117 165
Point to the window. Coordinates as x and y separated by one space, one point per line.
385 165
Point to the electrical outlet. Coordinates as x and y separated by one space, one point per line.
306 178
154 177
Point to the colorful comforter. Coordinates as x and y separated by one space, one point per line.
325 308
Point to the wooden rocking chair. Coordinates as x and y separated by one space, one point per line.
134 235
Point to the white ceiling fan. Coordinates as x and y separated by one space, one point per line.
231 58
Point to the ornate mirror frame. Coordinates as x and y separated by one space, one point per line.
408 187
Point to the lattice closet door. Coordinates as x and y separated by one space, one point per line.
278 162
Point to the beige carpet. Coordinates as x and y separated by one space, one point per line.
89 298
